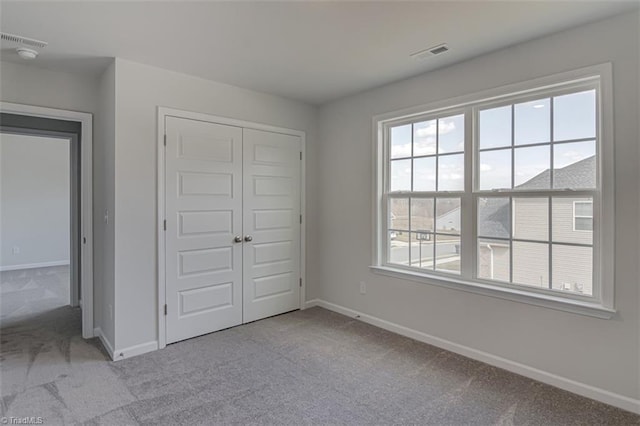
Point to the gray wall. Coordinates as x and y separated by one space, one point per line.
140 89
596 352
34 201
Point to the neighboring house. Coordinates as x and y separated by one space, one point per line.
572 223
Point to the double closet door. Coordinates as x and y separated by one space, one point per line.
232 238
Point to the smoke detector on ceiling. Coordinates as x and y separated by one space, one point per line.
432 51
26 48
26 53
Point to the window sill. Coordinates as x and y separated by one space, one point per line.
547 301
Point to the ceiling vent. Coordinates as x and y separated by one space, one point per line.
432 51
24 41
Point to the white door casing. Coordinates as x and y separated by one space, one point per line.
231 197
271 193
203 213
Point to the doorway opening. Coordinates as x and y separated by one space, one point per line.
38 223
45 217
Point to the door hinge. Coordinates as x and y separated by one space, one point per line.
301 155
84 240
165 309
164 225
165 139
300 282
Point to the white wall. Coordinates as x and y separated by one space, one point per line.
595 352
104 201
140 89
29 85
34 201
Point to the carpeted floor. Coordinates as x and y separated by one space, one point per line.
28 292
305 367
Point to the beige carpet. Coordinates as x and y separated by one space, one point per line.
305 367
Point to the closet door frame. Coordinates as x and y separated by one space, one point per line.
163 113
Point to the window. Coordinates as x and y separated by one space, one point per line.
499 192
583 216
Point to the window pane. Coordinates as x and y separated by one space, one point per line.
495 127
573 269
532 167
398 252
495 169
448 215
424 174
583 224
531 264
531 218
424 138
422 216
399 213
574 165
583 208
401 141
532 122
566 227
422 250
574 116
451 134
493 260
451 173
494 217
448 253
401 175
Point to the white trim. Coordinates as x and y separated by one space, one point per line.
34 265
135 350
598 76
502 292
588 391
97 332
86 198
163 113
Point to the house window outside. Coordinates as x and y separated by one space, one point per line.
583 216
500 191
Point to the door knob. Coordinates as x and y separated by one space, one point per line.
248 238
238 239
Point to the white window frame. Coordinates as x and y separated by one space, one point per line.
576 216
601 304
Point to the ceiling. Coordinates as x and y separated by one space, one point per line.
310 51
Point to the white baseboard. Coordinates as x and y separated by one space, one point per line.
135 350
607 397
97 332
119 354
33 265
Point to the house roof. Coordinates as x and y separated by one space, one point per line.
580 174
494 218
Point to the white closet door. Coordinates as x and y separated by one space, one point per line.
203 182
271 251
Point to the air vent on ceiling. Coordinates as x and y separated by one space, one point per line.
23 40
432 51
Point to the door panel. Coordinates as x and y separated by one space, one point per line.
203 202
271 193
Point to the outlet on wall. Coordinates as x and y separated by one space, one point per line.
15 250
363 287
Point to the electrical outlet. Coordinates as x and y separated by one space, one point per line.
363 287
16 250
